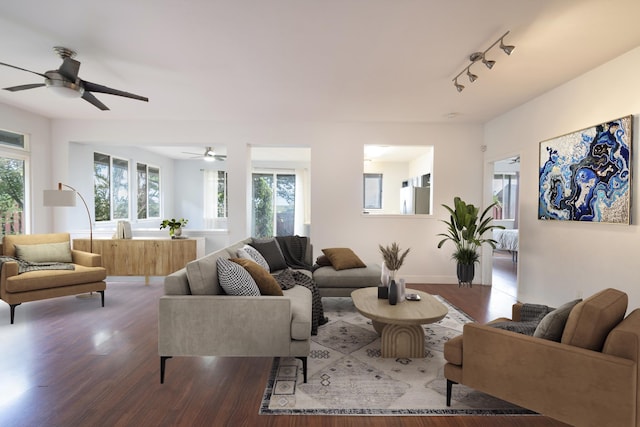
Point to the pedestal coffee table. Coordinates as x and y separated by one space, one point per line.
399 325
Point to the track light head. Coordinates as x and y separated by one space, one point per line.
458 86
506 48
472 77
489 64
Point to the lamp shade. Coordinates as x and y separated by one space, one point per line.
59 198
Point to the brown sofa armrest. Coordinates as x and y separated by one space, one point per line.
86 258
515 311
557 380
9 268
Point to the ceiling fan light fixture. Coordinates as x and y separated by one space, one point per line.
62 87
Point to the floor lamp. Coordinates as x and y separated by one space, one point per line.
62 197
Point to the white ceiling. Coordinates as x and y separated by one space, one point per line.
307 60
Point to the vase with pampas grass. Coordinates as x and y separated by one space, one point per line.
393 260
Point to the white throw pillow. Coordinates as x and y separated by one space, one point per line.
251 253
235 280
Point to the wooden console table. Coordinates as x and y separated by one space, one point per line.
144 257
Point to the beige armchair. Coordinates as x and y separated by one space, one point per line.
87 275
590 378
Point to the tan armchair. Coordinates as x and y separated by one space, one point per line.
88 274
590 378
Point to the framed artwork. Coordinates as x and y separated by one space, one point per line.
586 175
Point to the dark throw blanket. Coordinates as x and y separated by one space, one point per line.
26 266
294 249
288 278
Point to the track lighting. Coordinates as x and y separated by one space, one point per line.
481 57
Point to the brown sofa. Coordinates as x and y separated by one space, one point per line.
87 275
589 378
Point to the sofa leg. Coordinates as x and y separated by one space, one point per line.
102 297
163 360
449 387
304 367
13 310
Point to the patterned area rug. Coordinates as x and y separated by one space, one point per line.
348 376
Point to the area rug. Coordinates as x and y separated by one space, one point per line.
348 376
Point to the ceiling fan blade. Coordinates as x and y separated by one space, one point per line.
69 69
23 87
93 87
95 101
22 69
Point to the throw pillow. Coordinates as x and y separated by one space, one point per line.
251 253
234 279
526 328
265 281
343 258
552 325
271 252
46 252
323 261
533 312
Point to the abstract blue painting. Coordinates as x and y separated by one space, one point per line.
586 175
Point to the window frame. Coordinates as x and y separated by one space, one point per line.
21 153
111 201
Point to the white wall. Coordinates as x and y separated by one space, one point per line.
562 260
336 177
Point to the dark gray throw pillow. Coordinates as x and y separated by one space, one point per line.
526 328
552 325
271 252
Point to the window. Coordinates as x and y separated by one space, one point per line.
148 186
372 191
397 179
215 199
110 187
505 189
274 203
13 163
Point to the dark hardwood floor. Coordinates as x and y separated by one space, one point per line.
69 362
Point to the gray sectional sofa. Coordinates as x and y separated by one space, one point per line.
197 318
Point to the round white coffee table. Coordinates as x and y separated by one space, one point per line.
399 325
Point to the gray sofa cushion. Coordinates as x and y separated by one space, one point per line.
328 277
300 312
203 273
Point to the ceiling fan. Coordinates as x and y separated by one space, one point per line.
209 155
66 82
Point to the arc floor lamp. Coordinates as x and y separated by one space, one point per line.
62 197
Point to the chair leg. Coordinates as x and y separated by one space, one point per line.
449 387
163 360
102 297
13 310
304 367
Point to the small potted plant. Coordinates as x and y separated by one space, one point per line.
175 226
466 231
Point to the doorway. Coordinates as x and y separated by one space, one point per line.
505 191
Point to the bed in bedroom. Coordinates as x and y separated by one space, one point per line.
507 241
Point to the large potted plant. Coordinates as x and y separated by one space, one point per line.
466 231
